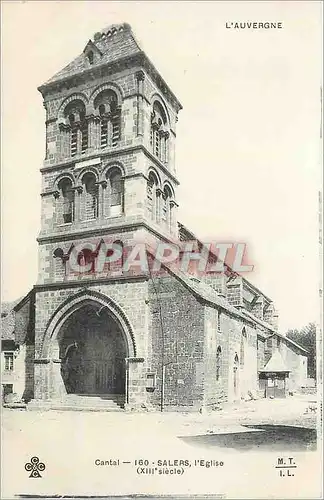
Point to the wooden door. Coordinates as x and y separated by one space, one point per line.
104 377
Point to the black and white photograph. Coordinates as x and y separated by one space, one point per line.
161 195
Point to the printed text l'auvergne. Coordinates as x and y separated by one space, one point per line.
253 25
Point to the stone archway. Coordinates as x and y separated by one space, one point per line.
92 350
86 349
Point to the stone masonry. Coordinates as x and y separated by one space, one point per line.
109 175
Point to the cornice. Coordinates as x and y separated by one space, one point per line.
92 73
111 154
90 282
106 69
84 233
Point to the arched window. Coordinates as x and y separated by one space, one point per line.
115 191
90 57
242 347
152 197
236 375
159 133
167 207
106 104
90 198
67 203
77 124
218 362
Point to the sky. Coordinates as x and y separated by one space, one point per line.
248 148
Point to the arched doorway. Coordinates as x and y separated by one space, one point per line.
92 350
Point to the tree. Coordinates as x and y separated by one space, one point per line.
306 337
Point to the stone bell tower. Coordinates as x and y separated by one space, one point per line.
109 172
110 142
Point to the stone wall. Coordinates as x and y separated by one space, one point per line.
179 316
215 359
296 362
130 296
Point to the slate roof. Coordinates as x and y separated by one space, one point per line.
8 319
114 42
202 290
275 364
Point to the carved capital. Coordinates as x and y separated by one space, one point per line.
159 192
103 183
78 189
96 118
90 117
140 75
56 194
104 117
64 126
65 257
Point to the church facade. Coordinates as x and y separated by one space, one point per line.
168 341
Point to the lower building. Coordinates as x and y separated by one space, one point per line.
169 342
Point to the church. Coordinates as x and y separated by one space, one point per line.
124 338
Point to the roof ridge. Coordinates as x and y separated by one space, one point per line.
202 289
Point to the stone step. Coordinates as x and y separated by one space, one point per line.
67 407
75 402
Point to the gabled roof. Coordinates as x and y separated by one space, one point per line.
187 234
202 290
275 364
8 316
91 46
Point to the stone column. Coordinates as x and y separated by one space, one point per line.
77 203
158 202
42 376
56 387
173 217
135 384
139 103
64 135
166 148
102 185
92 133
